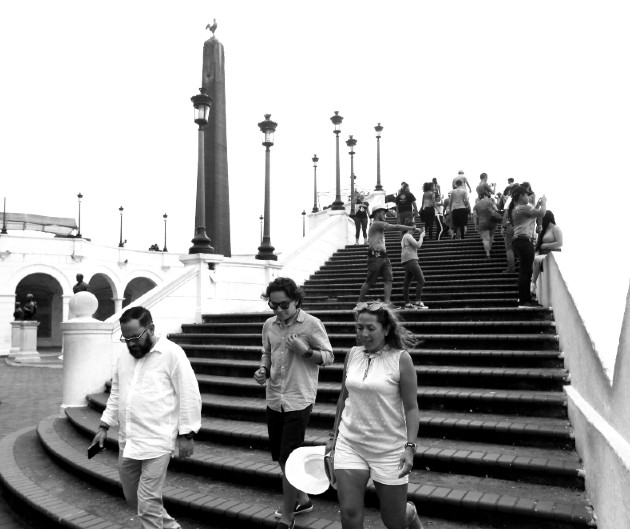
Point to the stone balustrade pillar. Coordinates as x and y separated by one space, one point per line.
87 352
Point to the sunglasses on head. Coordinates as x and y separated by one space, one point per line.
372 306
284 305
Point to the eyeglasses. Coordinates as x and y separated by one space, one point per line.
134 339
372 306
284 305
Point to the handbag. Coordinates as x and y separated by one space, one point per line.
329 458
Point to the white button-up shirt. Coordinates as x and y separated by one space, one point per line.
153 399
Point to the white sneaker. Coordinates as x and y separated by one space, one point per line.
410 306
421 305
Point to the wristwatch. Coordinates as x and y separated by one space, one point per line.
412 446
188 435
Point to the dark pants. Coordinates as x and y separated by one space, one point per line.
460 219
404 215
358 224
413 271
376 266
286 431
429 218
524 252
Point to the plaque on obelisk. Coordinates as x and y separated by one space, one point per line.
216 165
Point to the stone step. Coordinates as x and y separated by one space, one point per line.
224 503
431 341
466 376
408 315
535 465
349 302
552 359
417 327
546 432
433 492
484 400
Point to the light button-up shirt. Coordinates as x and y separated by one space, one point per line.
292 384
153 399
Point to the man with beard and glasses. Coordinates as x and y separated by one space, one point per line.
295 344
156 403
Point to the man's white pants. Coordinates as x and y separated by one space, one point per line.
142 482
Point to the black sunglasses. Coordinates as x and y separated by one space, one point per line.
284 305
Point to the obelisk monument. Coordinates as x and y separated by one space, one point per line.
216 166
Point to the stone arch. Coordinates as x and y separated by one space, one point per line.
48 294
136 288
63 279
104 288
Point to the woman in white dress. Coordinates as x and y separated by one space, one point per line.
379 420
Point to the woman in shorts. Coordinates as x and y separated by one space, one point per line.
379 420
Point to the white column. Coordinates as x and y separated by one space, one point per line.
87 351
118 304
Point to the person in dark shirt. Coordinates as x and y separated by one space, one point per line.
405 203
361 221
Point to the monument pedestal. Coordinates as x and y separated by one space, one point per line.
24 342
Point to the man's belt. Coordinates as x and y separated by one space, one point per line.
376 253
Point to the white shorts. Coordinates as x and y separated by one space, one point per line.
383 468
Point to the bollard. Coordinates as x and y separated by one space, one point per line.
87 352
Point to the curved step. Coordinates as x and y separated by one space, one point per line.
452 496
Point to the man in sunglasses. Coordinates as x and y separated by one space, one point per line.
295 344
156 403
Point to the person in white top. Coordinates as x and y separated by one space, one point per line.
377 420
155 401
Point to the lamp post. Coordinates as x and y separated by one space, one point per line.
378 130
351 142
165 216
4 217
121 244
315 160
79 196
201 242
265 250
261 228
303 223
338 203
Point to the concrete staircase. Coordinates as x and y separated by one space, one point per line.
495 447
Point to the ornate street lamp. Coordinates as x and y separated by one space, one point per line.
303 223
351 142
378 130
315 160
79 196
165 216
265 250
201 242
121 244
338 203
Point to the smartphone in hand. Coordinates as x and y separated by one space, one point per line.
93 450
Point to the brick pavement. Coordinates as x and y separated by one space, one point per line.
27 395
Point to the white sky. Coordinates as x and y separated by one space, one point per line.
96 99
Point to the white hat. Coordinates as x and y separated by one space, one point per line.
305 469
